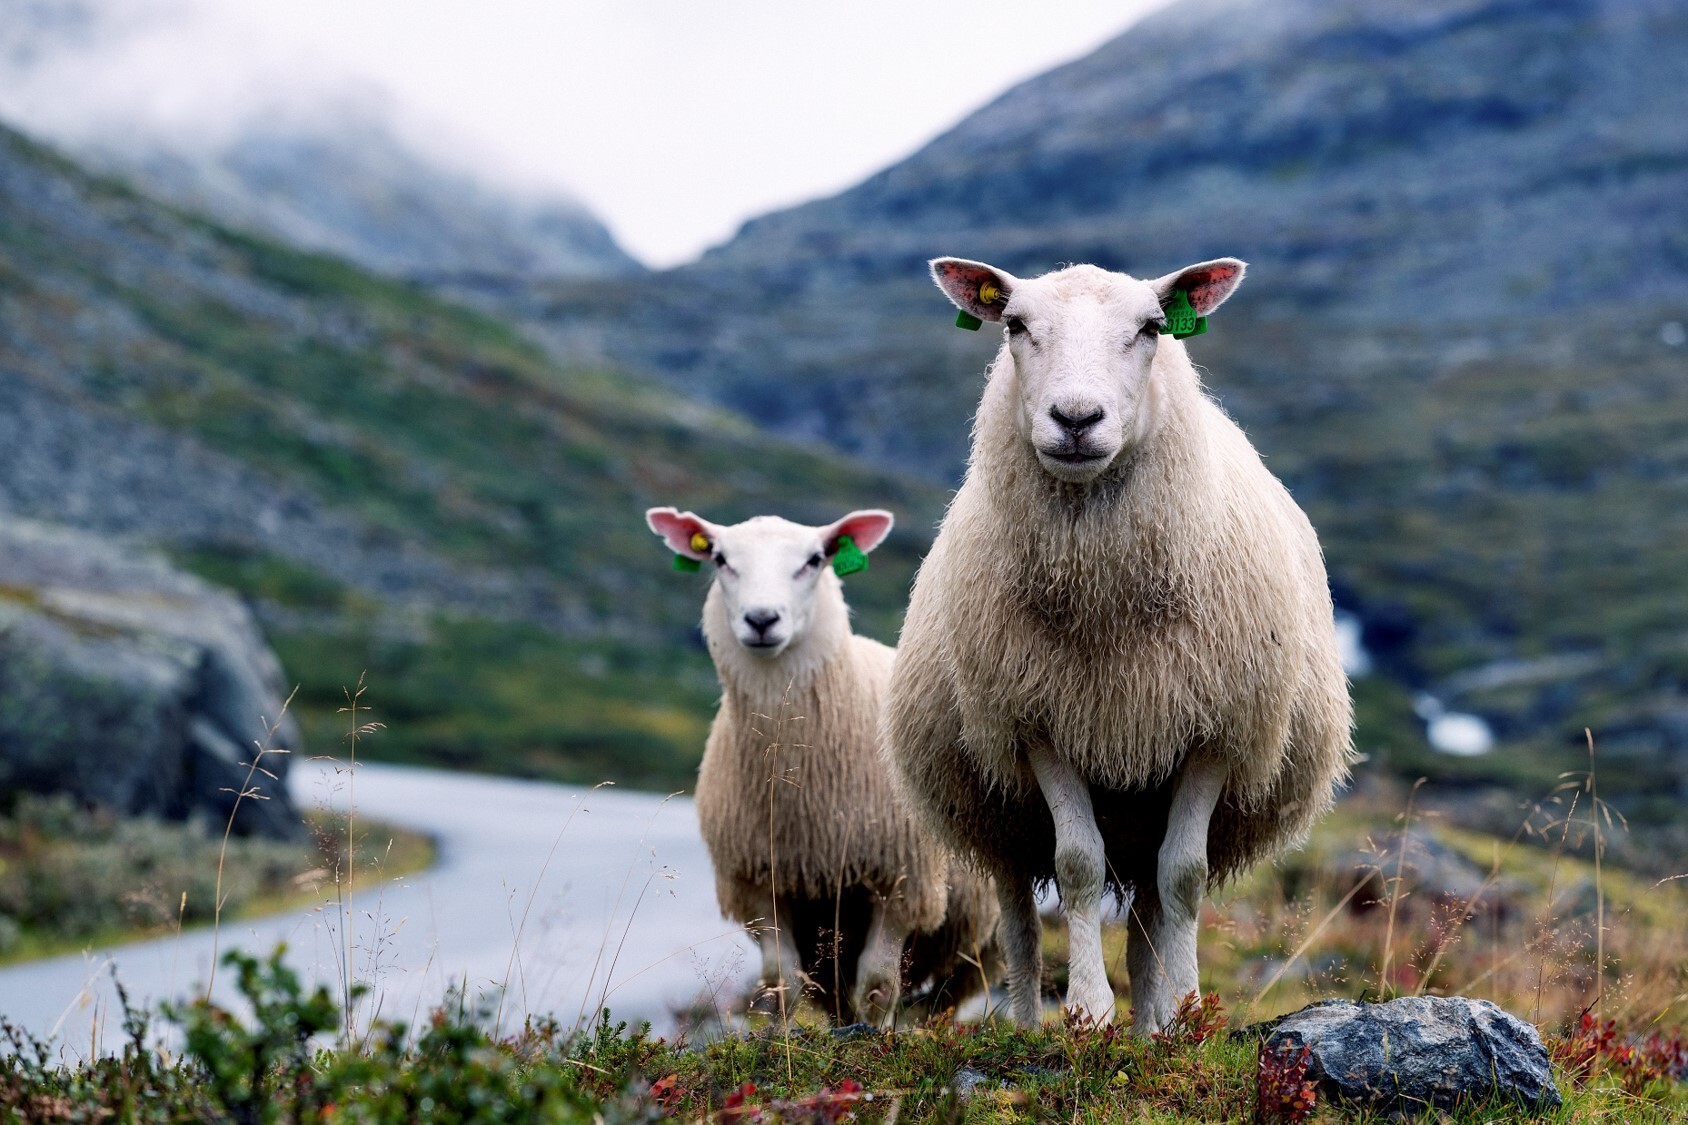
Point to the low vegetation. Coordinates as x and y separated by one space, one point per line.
71 876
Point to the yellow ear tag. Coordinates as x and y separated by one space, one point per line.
988 294
700 542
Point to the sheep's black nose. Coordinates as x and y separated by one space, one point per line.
761 619
1074 425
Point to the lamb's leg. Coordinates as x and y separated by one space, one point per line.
1181 878
1021 935
1080 864
879 972
782 966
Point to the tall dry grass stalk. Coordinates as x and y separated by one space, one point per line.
252 789
1383 981
345 890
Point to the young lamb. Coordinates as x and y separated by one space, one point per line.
1119 666
811 851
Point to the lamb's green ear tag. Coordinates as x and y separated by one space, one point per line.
965 319
687 564
849 558
1181 319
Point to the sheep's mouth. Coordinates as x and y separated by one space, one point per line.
1075 457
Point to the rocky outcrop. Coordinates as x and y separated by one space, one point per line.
128 683
1417 1052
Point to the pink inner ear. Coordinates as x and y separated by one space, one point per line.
1209 286
961 282
677 529
866 530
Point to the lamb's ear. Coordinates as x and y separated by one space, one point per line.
1207 283
866 529
687 535
977 289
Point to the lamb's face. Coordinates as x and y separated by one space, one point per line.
769 571
1083 342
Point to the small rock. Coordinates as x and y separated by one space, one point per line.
854 1031
966 1080
1419 1051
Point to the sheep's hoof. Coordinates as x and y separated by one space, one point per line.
765 1001
877 1005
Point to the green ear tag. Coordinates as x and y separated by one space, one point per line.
849 558
687 564
1181 319
965 319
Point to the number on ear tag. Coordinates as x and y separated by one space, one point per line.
1181 319
965 319
849 558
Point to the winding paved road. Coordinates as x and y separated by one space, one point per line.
622 914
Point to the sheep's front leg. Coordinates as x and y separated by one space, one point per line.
879 972
1169 965
782 967
1021 935
1080 864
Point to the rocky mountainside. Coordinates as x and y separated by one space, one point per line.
401 486
1461 340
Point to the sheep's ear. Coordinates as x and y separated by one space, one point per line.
977 289
1207 283
866 529
688 536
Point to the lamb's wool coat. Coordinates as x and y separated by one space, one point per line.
1178 602
793 796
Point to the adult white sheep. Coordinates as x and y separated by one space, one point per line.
1119 665
811 851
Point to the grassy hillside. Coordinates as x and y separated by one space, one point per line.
405 487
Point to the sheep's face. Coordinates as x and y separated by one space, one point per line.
1083 342
770 571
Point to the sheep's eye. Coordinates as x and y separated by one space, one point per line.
815 560
720 559
1151 329
1016 326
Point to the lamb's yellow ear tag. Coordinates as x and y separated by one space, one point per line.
988 294
699 542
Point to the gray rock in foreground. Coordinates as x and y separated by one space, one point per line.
1419 1051
126 682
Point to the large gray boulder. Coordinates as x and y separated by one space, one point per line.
1419 1051
126 682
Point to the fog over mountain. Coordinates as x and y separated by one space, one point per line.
322 161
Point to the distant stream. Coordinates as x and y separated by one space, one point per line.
624 913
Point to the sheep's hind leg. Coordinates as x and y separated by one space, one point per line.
1021 935
1181 880
879 971
1080 864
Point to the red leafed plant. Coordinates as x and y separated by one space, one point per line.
1594 1046
668 1093
828 1106
1284 1093
1197 1020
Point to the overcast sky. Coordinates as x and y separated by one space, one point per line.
673 121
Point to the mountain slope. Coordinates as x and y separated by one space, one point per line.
1460 341
405 486
337 180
